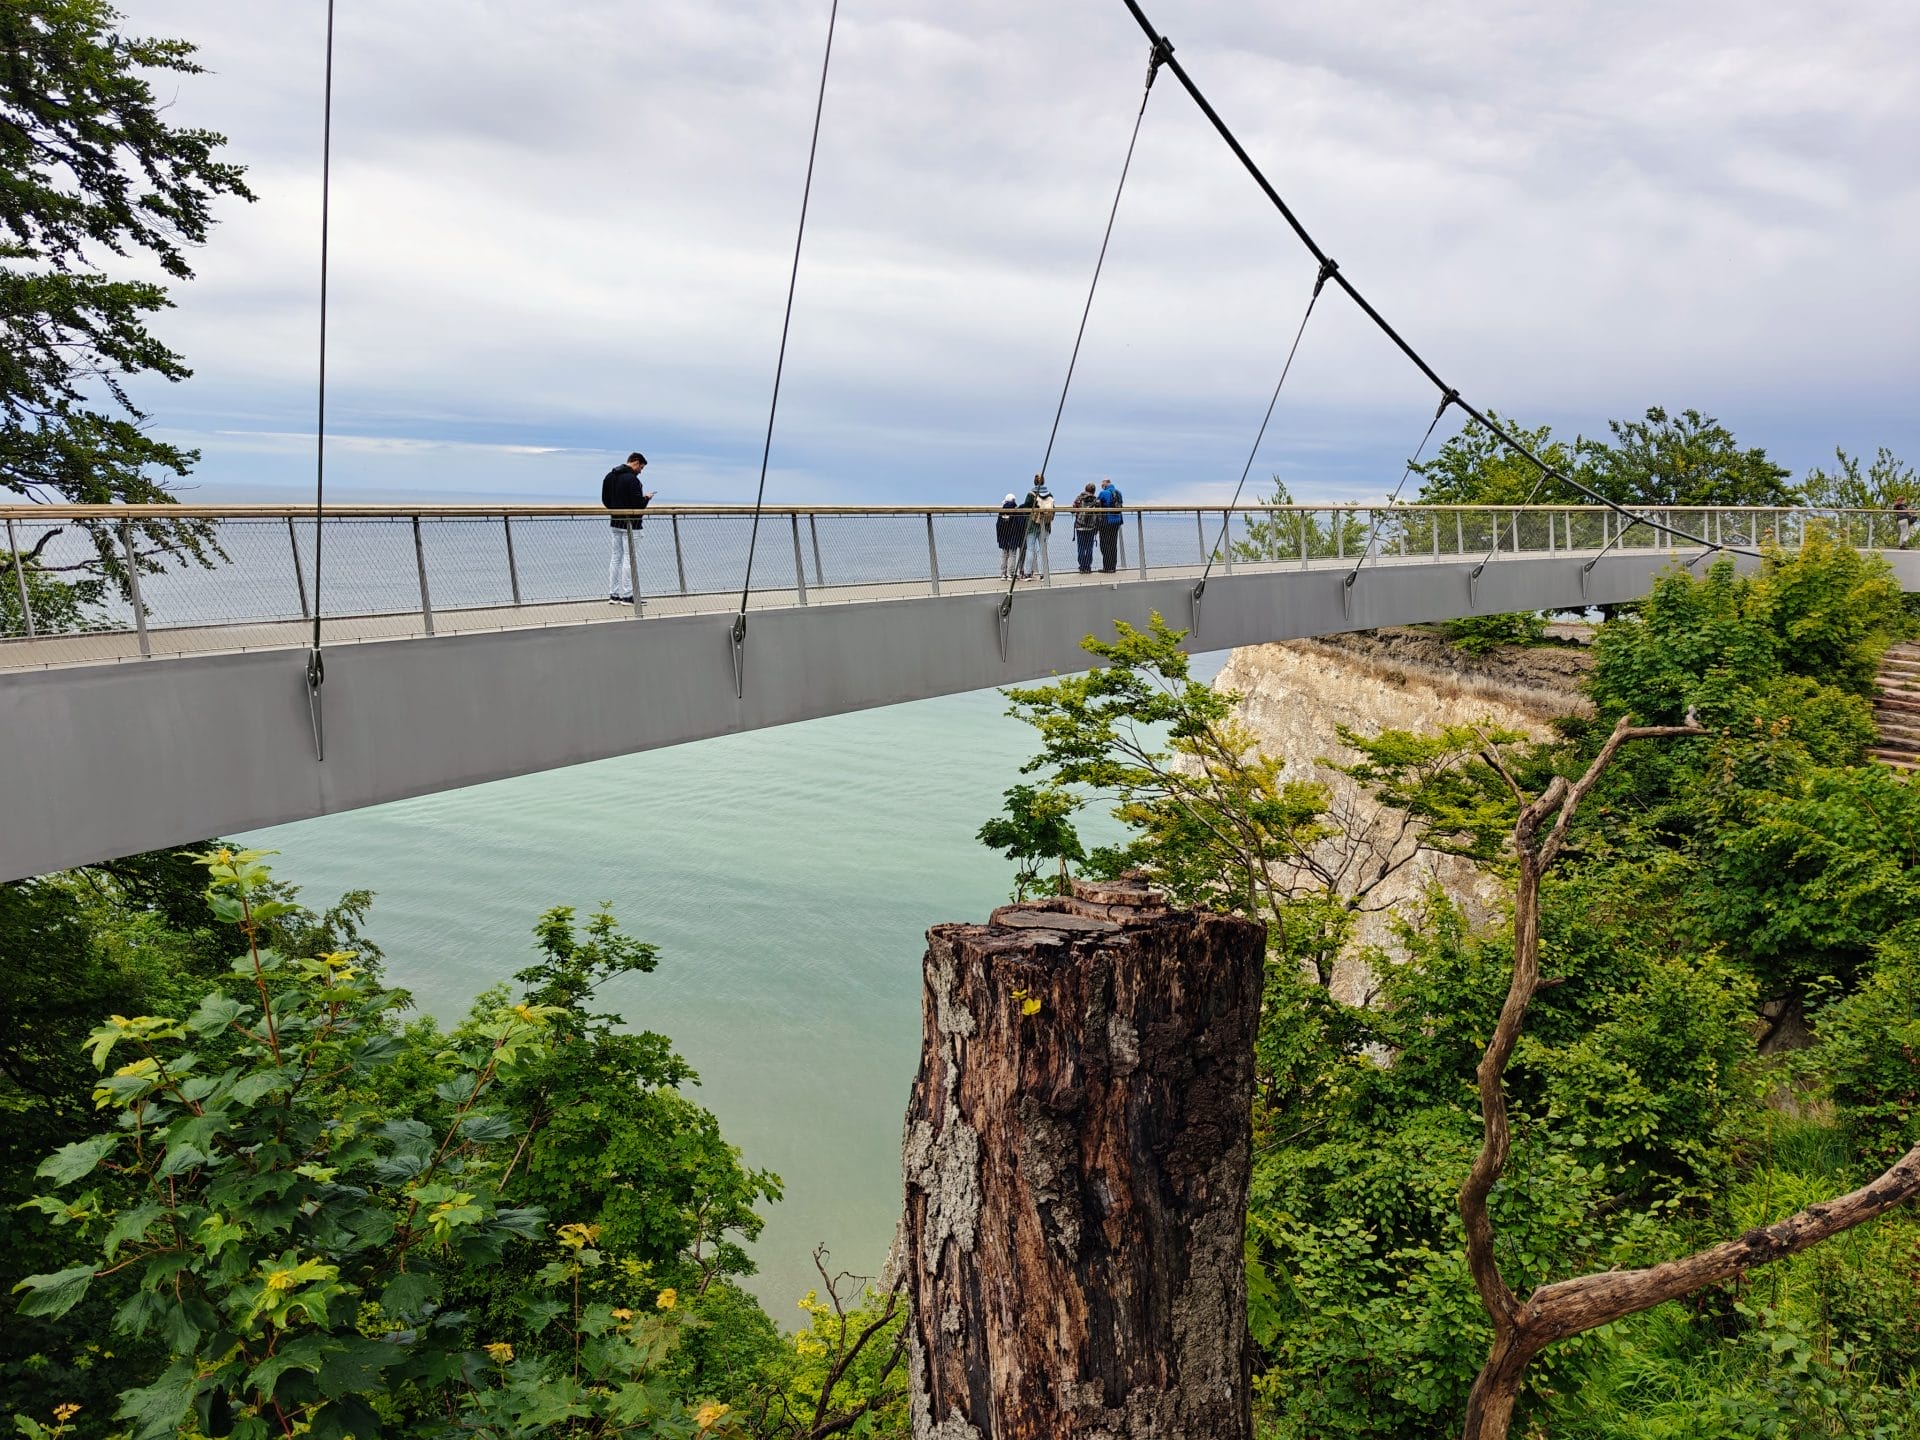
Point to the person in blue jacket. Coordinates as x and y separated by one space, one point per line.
1110 500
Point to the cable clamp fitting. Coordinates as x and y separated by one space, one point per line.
316 677
1452 397
1162 52
1328 268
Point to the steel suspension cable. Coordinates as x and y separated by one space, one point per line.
1158 55
1367 549
780 363
316 665
1319 284
1153 68
1499 431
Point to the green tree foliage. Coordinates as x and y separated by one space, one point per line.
130 937
1483 634
301 1213
1884 481
1475 467
1211 816
1036 830
1684 459
1769 839
95 174
1294 534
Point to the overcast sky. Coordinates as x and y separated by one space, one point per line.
562 230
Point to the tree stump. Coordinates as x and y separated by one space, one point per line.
1077 1153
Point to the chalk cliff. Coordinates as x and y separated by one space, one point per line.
1295 694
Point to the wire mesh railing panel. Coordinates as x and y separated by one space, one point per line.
368 565
466 563
248 574
52 568
875 550
558 558
968 546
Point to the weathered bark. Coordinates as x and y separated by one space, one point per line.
1076 1177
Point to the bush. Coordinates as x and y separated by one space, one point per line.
1480 634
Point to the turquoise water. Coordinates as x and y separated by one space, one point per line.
788 877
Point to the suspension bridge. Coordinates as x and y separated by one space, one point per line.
467 644
246 666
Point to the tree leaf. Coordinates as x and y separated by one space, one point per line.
53 1295
70 1162
215 1013
406 1295
179 1158
159 1409
302 1354
486 1129
355 1368
130 1225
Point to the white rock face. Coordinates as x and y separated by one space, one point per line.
1295 694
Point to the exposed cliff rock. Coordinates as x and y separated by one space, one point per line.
1296 694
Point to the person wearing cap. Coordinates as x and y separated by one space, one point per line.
1009 529
620 490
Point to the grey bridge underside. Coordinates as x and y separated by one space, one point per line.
107 760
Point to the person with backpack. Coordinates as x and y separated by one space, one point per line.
620 490
1039 517
1086 524
1009 529
1110 500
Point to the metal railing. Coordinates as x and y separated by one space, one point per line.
98 582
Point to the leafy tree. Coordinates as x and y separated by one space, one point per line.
1209 814
130 937
1684 459
289 1241
1038 828
1294 533
1475 467
94 169
1885 480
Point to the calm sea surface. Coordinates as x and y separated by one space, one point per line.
788 877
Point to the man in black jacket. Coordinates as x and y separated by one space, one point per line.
620 490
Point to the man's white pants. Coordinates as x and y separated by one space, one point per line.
619 575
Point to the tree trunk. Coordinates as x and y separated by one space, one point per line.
1077 1153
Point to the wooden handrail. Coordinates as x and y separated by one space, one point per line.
42 513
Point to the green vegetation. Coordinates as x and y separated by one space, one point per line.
255 1199
1762 864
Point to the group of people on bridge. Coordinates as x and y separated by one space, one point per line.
1023 526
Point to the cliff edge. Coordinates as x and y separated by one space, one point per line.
1296 693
